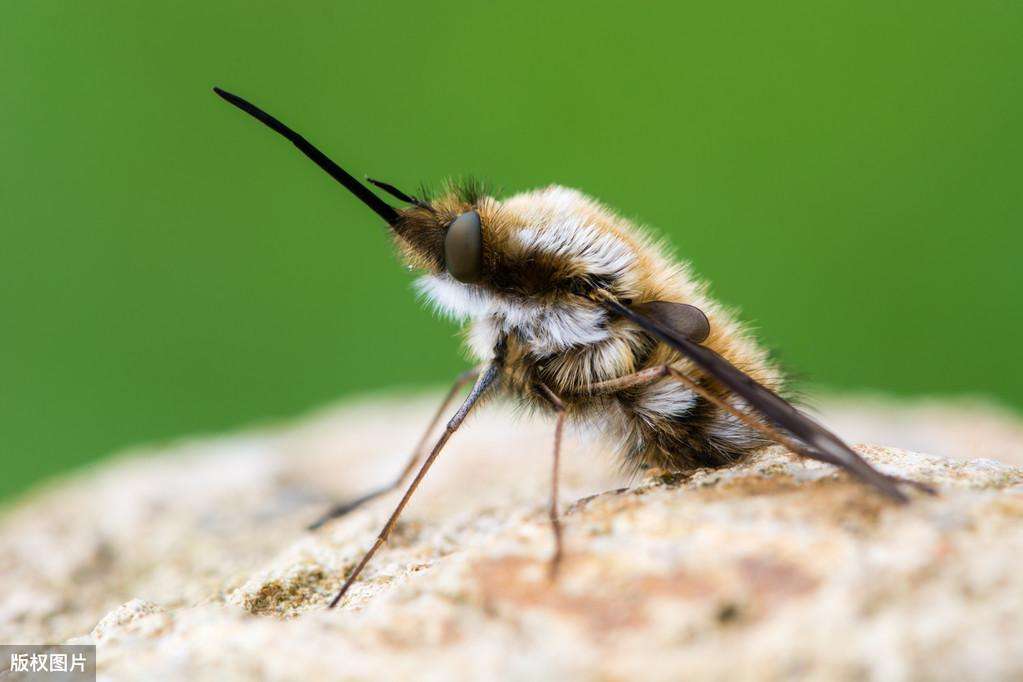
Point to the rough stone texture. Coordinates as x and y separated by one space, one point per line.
189 562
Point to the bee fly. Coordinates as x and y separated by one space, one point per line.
575 311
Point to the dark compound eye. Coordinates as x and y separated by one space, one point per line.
463 248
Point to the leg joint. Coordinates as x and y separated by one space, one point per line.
556 402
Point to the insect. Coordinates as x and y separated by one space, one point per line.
578 313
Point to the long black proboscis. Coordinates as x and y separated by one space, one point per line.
769 404
379 206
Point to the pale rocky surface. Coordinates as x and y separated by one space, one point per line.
190 562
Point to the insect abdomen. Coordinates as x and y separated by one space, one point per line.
661 424
697 434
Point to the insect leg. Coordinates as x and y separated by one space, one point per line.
345 507
789 443
646 376
653 374
762 400
552 511
485 380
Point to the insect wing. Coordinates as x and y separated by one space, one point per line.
769 404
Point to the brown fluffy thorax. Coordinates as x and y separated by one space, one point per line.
544 252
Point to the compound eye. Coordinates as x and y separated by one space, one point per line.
463 248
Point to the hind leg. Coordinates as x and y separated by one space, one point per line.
552 510
648 376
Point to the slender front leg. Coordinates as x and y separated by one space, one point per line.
552 511
345 507
485 380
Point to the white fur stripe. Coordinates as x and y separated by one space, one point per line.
545 328
666 397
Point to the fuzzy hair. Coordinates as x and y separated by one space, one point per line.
543 250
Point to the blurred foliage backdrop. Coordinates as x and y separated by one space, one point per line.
848 174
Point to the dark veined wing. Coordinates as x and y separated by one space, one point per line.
821 443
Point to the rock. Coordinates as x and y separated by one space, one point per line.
958 428
137 618
190 562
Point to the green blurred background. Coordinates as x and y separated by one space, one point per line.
848 174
